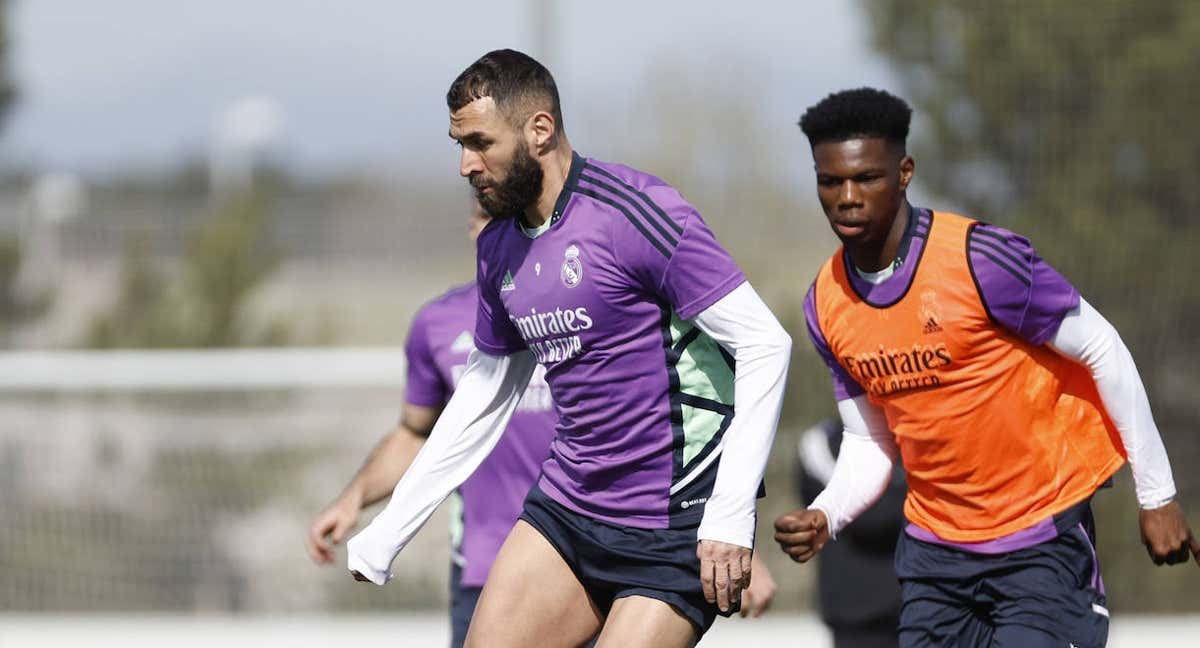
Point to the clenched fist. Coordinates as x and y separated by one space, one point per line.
802 533
1166 534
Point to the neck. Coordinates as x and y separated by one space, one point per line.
875 256
556 165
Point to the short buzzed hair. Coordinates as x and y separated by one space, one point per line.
854 114
518 84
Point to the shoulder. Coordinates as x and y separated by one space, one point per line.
1001 251
819 285
811 317
983 233
637 201
461 293
492 238
447 304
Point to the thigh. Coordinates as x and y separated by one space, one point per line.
1050 613
532 599
1051 596
1017 635
637 621
933 614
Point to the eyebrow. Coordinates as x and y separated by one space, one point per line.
473 135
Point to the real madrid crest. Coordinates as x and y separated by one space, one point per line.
572 268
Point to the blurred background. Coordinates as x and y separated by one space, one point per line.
217 219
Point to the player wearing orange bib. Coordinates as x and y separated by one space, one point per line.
1008 398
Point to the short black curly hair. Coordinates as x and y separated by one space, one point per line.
519 85
852 114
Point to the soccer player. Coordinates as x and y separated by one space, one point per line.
641 525
489 502
1010 400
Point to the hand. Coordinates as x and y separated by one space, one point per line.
724 572
336 522
1166 534
758 596
802 533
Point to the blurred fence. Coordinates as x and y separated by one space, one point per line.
184 481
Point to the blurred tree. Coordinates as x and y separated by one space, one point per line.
8 89
16 306
1076 127
206 305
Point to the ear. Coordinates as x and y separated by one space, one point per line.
541 131
907 166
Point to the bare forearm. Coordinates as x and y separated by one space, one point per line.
384 466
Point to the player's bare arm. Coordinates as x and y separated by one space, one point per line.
374 481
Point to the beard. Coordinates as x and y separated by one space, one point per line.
519 189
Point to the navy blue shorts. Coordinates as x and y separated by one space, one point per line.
614 561
1050 594
462 606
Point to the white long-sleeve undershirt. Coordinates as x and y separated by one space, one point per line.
868 447
466 431
1087 338
743 325
864 464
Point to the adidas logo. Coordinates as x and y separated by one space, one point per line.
508 284
931 326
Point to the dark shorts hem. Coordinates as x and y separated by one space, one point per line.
700 621
613 561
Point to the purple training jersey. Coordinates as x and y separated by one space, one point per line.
487 505
604 299
1021 292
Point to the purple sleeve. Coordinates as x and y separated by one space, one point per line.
1021 292
680 261
424 385
844 386
494 332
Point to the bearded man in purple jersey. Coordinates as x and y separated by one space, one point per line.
641 525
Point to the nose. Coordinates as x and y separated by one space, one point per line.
849 194
469 163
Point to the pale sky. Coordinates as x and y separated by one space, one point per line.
139 84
